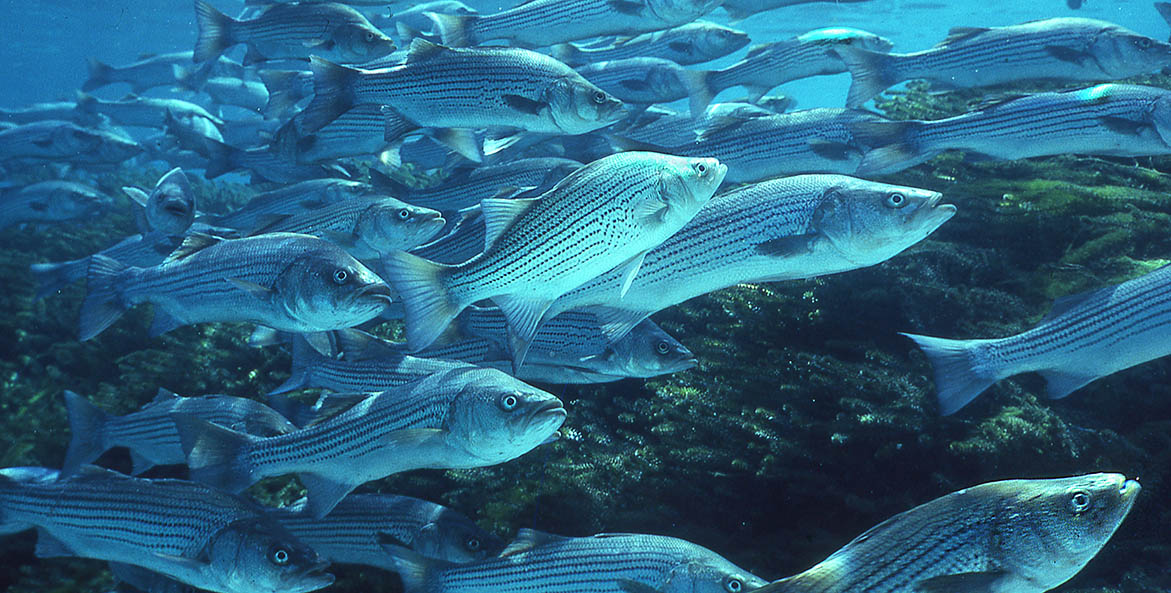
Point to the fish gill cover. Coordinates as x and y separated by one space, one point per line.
836 296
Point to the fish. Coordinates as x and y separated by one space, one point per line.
413 22
150 433
153 71
261 162
692 43
355 531
464 241
62 141
1027 536
365 227
186 531
361 131
1084 337
1064 49
739 10
246 94
650 80
755 148
142 250
443 87
50 202
56 110
285 281
540 23
289 200
169 208
812 54
659 126
607 562
286 88
772 231
152 112
1163 8
1106 119
291 31
460 418
604 215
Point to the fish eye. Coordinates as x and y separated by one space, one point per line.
279 556
896 200
600 97
404 214
1143 43
473 544
733 585
1079 502
509 402
662 347
700 168
369 36
340 276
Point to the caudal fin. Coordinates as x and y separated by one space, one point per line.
699 91
103 303
1164 9
53 277
956 381
454 29
305 357
428 303
569 54
870 74
86 441
99 75
333 94
215 32
412 567
215 454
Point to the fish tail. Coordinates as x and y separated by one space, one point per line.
1164 9
215 454
893 143
453 28
215 32
281 97
52 277
99 75
333 94
103 303
870 74
305 356
429 305
221 158
699 90
413 568
567 53
956 381
86 442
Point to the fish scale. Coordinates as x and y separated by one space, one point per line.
291 200
466 190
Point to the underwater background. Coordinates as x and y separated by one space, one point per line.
808 419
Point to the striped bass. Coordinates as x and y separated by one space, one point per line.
685 45
1013 536
1107 119
169 207
186 531
460 418
150 433
605 215
643 81
47 202
782 229
355 531
604 563
1062 49
1084 337
285 281
539 23
159 70
291 199
739 10
150 249
61 141
442 87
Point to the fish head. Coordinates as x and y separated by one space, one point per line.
391 225
170 208
720 40
72 201
1050 529
685 185
831 37
869 222
115 148
578 106
648 351
359 42
496 417
681 11
1161 117
710 573
325 288
260 556
454 538
1121 52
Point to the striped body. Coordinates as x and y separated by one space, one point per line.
361 131
771 231
329 30
48 202
642 80
663 127
366 227
355 530
64 141
374 369
463 243
292 199
685 45
137 250
546 22
467 188
150 112
246 94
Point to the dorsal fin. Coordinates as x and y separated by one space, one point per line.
956 34
193 243
164 395
422 50
499 214
1065 304
527 539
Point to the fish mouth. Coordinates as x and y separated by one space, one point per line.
313 578
549 408
1129 490
178 209
380 291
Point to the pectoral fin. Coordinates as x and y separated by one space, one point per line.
1067 54
524 104
251 288
967 582
787 246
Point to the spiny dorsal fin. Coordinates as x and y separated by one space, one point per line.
499 214
1065 304
956 34
527 539
193 243
164 395
422 50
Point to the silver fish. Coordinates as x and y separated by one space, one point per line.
781 229
609 212
1107 119
1024 536
1083 338
539 23
159 70
604 563
650 80
57 110
361 131
186 531
461 418
441 87
741 9
291 31
355 531
685 45
64 141
246 94
658 126
1063 49
463 242
289 200
150 433
286 281
286 88
49 202
152 112
170 207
